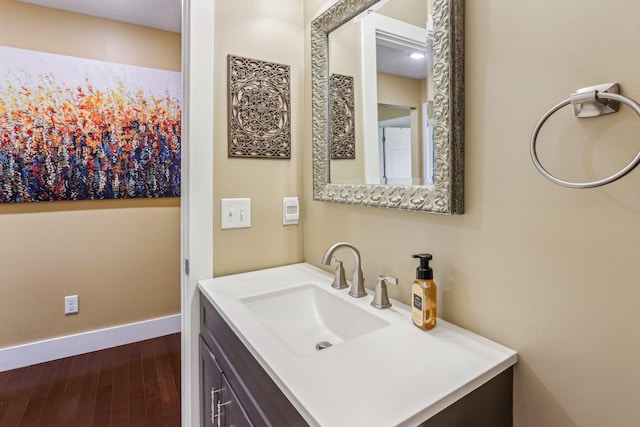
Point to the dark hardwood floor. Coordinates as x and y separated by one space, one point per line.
131 385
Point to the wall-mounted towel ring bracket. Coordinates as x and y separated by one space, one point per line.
588 102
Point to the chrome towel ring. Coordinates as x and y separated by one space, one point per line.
588 102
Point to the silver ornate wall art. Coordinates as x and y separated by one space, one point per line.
259 108
343 136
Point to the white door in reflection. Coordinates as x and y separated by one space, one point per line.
395 149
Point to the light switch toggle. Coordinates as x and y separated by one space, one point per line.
290 210
235 213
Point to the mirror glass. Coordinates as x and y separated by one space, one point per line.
385 53
388 104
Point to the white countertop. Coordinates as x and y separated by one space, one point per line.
398 375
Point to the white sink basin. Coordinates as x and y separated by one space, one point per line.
307 316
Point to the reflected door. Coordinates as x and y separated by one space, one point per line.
396 155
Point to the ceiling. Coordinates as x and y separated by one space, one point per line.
160 14
396 60
167 15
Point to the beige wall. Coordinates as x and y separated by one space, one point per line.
412 11
121 257
344 58
401 91
551 272
269 31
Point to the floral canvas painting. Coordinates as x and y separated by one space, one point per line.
79 129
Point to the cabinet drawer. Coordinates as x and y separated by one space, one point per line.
262 399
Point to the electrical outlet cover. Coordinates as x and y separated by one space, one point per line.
71 304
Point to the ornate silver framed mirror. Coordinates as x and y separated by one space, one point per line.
423 139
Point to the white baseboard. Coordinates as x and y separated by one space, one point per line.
85 342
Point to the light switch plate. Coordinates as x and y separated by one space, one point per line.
235 213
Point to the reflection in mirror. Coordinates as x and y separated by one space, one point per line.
405 156
404 61
386 51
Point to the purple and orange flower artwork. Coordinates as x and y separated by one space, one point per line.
79 129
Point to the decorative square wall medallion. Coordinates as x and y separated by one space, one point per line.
343 136
259 109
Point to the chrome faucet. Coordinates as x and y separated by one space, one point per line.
357 283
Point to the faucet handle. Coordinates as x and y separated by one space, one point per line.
381 299
339 280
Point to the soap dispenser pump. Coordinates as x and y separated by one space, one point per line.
424 295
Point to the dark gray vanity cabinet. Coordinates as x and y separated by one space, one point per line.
210 383
218 398
235 388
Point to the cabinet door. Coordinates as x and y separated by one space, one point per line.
232 414
262 399
211 385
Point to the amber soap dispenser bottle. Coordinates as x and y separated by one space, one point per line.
424 295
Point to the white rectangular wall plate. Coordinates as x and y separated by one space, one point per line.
71 304
235 213
290 210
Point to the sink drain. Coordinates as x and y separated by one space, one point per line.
323 344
